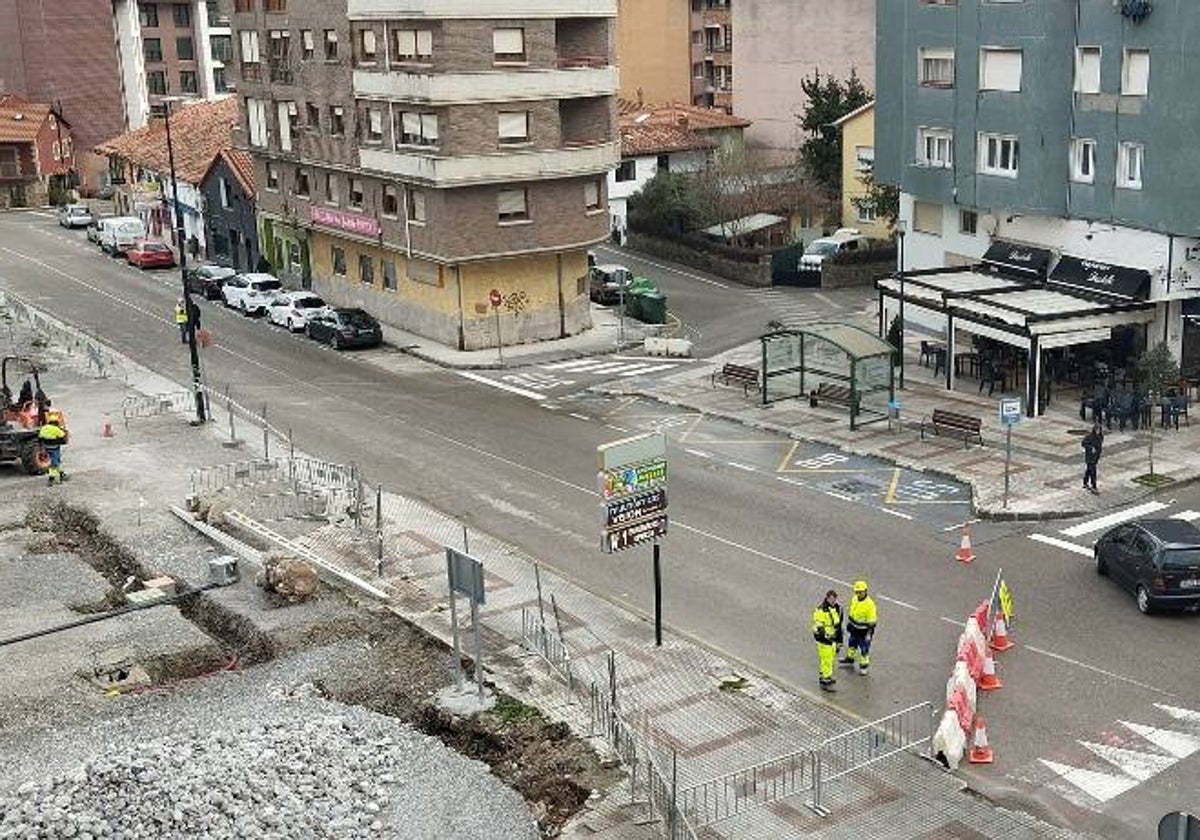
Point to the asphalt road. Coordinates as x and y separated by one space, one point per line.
760 528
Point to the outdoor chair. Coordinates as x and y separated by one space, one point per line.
1122 409
1172 407
1097 402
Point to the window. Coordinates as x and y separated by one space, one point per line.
998 155
591 195
288 124
256 121
1135 73
366 46
187 81
512 206
152 49
156 82
249 46
417 129
281 66
356 193
391 203
302 187
221 47
864 159
627 170
224 185
935 147
968 222
415 206
337 121
1129 166
10 164
1083 160
272 177
514 127
388 269
936 67
220 81
306 44
366 269
999 69
663 163
866 210
413 44
243 5
184 50
183 16
331 52
339 261
508 44
374 125
148 15
331 188
275 5
927 218
312 116
1087 69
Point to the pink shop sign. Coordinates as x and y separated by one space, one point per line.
349 222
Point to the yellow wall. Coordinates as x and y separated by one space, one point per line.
654 50
858 131
442 297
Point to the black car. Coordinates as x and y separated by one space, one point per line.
207 280
606 282
1158 560
344 328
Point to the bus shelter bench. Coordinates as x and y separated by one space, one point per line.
731 374
833 394
952 424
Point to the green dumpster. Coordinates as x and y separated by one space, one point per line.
654 308
633 304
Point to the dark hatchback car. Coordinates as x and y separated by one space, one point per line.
1158 560
344 328
207 280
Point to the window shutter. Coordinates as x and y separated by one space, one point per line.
411 123
508 41
406 42
249 46
514 125
1000 70
368 42
1137 73
376 121
429 127
511 202
418 205
591 193
424 42
307 37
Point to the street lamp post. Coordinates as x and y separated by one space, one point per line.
901 229
197 382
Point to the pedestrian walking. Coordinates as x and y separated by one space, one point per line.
827 633
53 437
861 616
1093 444
181 320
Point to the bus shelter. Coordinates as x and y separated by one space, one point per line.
830 364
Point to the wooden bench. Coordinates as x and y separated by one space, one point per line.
732 374
955 425
834 394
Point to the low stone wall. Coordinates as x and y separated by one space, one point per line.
749 274
834 276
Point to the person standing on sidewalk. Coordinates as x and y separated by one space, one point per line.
1093 444
827 633
181 320
861 616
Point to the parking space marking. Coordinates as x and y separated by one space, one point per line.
891 491
898 513
745 467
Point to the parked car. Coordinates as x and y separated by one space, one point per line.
842 240
1158 560
147 254
207 280
250 293
293 309
74 215
605 283
119 233
95 229
344 328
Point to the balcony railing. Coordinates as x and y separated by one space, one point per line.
576 61
10 170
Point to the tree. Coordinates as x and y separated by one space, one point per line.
1156 372
828 100
884 199
670 204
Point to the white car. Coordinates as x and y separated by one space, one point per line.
291 309
74 215
250 293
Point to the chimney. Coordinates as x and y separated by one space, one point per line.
681 120
641 99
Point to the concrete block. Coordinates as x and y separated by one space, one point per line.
164 584
145 596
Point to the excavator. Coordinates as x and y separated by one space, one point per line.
22 415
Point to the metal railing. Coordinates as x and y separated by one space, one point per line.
153 405
742 790
298 472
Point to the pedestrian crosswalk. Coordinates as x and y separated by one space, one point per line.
623 366
557 379
794 308
1080 537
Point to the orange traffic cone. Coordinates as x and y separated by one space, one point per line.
108 429
1000 641
980 753
988 681
965 554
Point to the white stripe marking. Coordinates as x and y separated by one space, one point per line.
745 467
1176 743
840 496
955 621
959 525
575 364
630 258
1185 715
512 389
1187 515
898 603
615 428
1057 543
1100 786
649 369
582 417
896 513
787 480
1084 665
1139 765
1100 523
698 453
827 301
677 360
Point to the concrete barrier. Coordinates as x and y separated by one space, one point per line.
677 347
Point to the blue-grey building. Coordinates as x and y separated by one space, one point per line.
1059 132
231 230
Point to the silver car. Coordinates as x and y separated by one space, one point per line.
74 215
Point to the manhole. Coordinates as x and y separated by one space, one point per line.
856 487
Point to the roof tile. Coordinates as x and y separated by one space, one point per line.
199 132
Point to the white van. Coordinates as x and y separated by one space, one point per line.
120 233
843 239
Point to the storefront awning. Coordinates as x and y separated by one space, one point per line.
1190 309
1112 281
1019 260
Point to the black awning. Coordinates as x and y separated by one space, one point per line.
1190 309
1024 261
1114 281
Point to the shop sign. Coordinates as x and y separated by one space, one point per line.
341 220
622 512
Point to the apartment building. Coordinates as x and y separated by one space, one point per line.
412 156
654 50
712 54
1050 143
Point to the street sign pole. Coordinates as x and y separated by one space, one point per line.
495 299
657 595
1007 462
1010 415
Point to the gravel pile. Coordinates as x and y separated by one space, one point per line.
344 773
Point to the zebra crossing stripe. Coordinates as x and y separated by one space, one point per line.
1176 743
1099 786
1139 765
647 369
575 364
1185 715
1102 522
1187 515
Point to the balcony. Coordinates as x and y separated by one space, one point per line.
493 169
466 88
480 9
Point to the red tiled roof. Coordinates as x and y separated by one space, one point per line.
672 113
240 164
653 139
20 121
673 127
199 132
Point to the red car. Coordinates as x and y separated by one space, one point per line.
145 254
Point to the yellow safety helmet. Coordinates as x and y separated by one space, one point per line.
54 416
860 586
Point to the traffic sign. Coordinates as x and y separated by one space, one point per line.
635 478
1010 411
494 298
635 534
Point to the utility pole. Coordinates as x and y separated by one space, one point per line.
197 382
